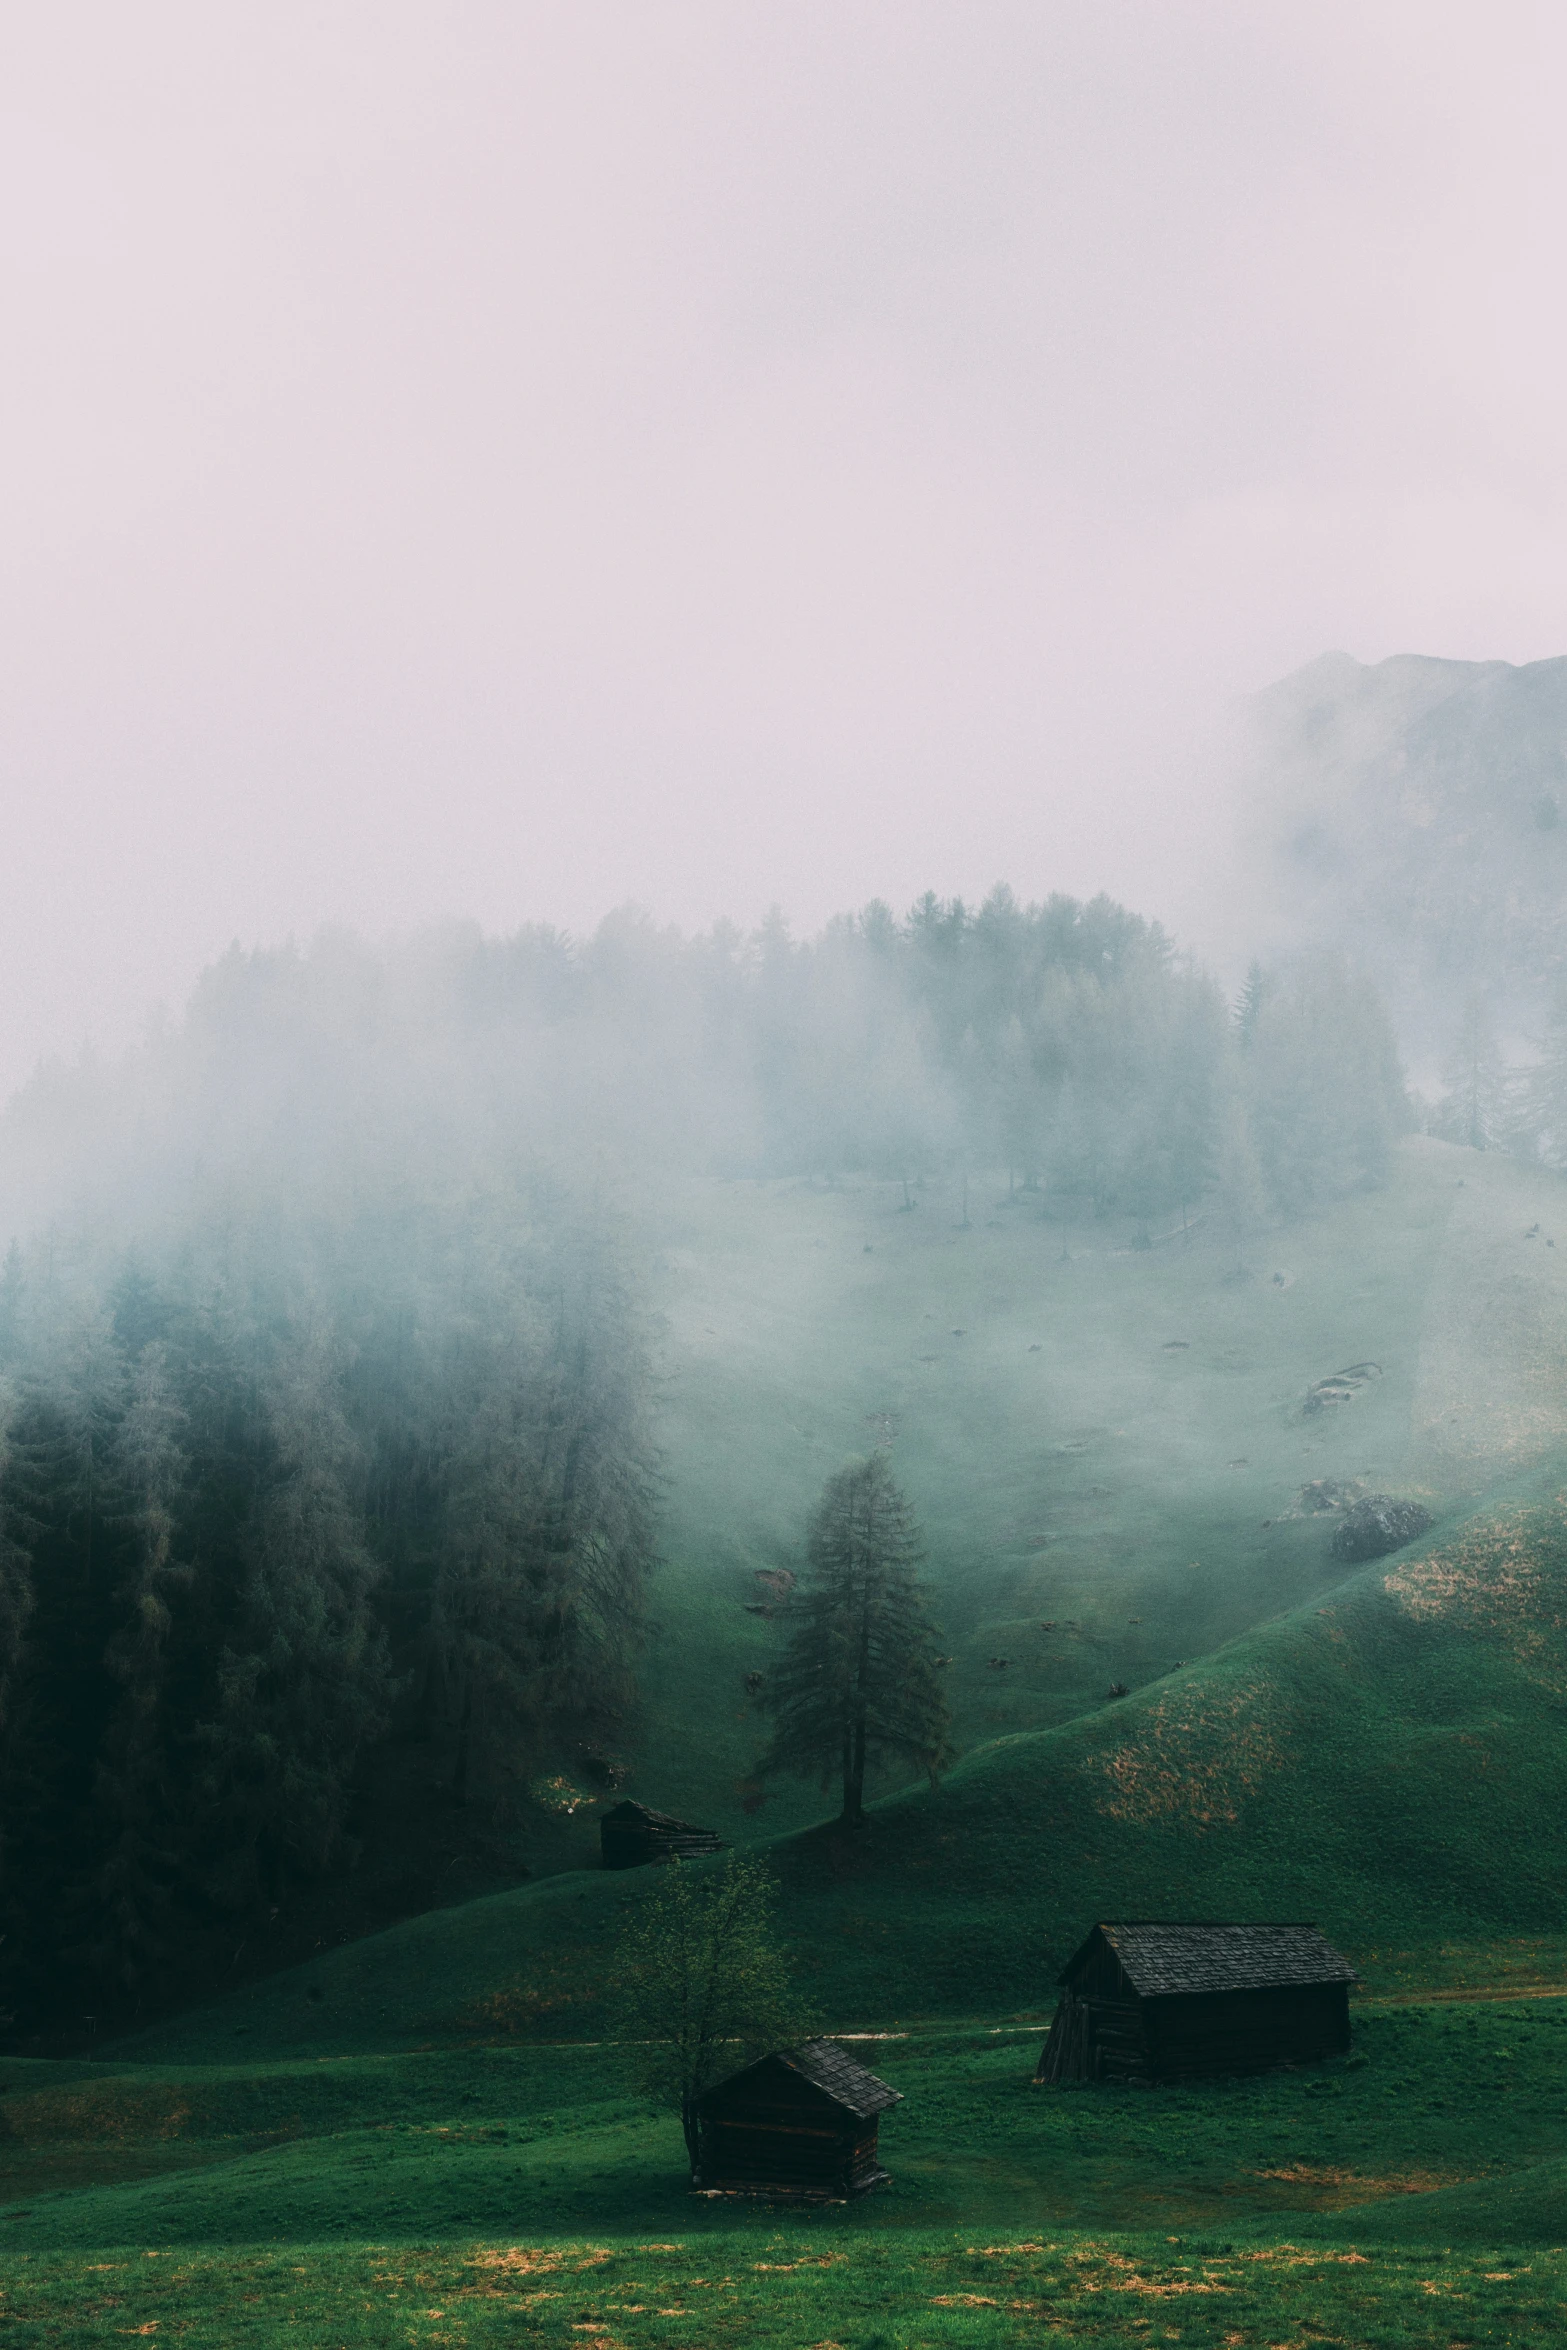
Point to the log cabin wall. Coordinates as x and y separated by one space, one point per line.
1102 1976
1105 2029
1246 2031
631 1836
782 2158
1068 2053
1118 2040
1098 2033
783 2135
771 2132
865 2169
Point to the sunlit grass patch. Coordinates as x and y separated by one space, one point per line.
1332 2187
880 2294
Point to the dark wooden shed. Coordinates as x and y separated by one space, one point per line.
800 2123
1150 2001
631 1835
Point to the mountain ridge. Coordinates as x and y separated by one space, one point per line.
1411 811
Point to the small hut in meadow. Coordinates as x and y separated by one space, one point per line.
632 1835
800 2123
1152 2002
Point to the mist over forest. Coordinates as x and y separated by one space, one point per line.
1413 814
332 1477
334 1484
783 1296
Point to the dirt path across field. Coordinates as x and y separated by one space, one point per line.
1460 1998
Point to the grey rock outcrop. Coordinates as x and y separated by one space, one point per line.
1370 1528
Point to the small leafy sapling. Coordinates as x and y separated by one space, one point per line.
704 1987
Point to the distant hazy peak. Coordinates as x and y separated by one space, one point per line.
1414 811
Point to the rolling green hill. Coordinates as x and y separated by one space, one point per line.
1104 1440
1377 1752
435 2125
1388 1758
1380 1760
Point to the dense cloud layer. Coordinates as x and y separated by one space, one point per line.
500 462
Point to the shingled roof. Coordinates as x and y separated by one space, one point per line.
824 2064
1159 1959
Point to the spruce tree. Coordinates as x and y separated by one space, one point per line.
1474 1110
13 1291
859 1676
1247 1009
16 1604
538 1600
1240 1195
1542 1118
1322 1084
500 1624
136 1797
303 1685
63 1509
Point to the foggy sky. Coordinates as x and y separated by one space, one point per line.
503 460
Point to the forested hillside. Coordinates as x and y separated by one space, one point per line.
1070 1044
302 1532
336 1465
1380 1758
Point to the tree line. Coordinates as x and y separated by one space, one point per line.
256 1528
324 1406
1068 1042
1493 1101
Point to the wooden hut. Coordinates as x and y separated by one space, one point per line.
800 2123
631 1835
1165 2002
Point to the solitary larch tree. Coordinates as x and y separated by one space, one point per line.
860 1673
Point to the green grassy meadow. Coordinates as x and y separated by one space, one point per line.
430 2135
1107 1440
462 2196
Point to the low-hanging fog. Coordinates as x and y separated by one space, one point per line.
683 796
504 463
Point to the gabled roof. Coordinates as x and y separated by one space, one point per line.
640 1815
1160 1958
849 2084
824 2065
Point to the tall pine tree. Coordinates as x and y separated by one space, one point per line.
1475 1108
303 1683
538 1599
859 1677
63 1510
136 1796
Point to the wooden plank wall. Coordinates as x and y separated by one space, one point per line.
633 1847
788 2159
1202 2035
1247 2031
781 2135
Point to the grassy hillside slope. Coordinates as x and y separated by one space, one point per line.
914 2291
1452 2101
1381 1760
427 2134
1106 1441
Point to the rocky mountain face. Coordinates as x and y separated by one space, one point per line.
1414 812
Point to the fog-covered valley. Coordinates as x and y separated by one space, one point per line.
422 1361
783 1139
